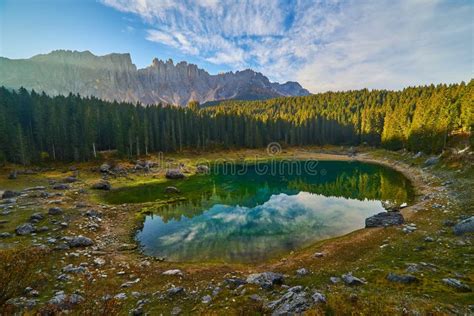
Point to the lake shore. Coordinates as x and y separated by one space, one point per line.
367 253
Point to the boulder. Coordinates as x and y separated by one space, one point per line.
405 278
102 185
234 282
265 280
79 241
458 285
431 161
173 272
464 226
104 168
9 194
384 219
351 280
173 190
55 211
295 301
174 174
174 290
36 217
61 186
25 229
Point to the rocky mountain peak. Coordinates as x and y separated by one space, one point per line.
115 77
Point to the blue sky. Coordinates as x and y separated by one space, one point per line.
325 45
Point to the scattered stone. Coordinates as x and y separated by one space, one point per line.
384 219
458 285
464 226
10 194
61 186
55 211
206 299
216 291
36 217
5 235
121 296
104 168
431 161
351 280
295 301
99 262
255 298
265 280
173 272
176 311
318 255
174 290
428 239
130 283
174 174
70 268
173 190
79 241
25 229
93 214
102 185
302 271
234 282
405 278
335 280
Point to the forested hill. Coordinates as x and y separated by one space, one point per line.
35 127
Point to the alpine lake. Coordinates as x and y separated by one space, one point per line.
247 213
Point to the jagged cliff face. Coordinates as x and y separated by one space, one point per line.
115 77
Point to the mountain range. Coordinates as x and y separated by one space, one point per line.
115 77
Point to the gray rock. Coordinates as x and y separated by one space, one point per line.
70 268
302 271
176 311
405 278
351 280
206 299
234 282
25 229
464 226
22 303
384 219
105 167
121 296
174 290
318 298
93 214
458 285
173 272
171 189
174 174
61 186
102 185
265 279
10 194
37 217
255 298
79 241
428 239
5 235
431 161
334 280
55 211
294 301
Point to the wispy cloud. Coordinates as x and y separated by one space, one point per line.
326 45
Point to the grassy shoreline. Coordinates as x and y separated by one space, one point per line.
359 252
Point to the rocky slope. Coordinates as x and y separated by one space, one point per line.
115 77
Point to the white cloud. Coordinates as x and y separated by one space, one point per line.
325 45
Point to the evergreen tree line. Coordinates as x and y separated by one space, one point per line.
35 127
